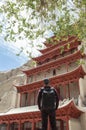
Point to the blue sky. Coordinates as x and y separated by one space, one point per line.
8 58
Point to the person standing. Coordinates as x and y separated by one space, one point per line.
48 102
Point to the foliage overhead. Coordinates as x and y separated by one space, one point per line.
31 19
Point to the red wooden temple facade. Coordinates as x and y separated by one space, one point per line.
64 74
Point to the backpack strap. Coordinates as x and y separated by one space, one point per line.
39 98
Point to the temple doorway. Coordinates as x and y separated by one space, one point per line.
14 126
26 126
61 125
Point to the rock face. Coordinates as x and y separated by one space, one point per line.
6 75
7 88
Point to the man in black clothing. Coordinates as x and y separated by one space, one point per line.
48 103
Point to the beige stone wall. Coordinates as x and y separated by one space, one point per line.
83 121
8 100
12 73
18 100
9 97
74 124
82 96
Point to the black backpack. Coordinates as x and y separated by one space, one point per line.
48 98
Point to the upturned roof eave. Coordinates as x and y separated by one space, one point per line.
59 79
52 64
60 43
69 109
56 51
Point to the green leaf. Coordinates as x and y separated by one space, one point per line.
41 16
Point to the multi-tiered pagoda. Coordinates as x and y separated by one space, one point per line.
59 63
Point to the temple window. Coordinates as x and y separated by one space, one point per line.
39 63
61 125
48 60
66 53
60 70
72 65
32 98
30 79
54 72
14 126
26 126
73 50
55 57
3 126
38 77
62 54
24 100
59 67
74 89
35 97
38 125
60 91
68 91
29 99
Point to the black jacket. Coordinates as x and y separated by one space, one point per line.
39 99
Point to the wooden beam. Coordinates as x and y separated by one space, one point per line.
33 125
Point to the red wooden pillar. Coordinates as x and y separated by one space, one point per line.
33 126
29 98
61 125
8 126
67 125
19 125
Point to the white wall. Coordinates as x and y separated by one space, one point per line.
74 124
83 121
82 85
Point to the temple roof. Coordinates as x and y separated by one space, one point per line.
60 43
55 64
48 44
56 52
69 109
56 80
64 112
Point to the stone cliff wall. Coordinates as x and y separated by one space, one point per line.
7 74
8 92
